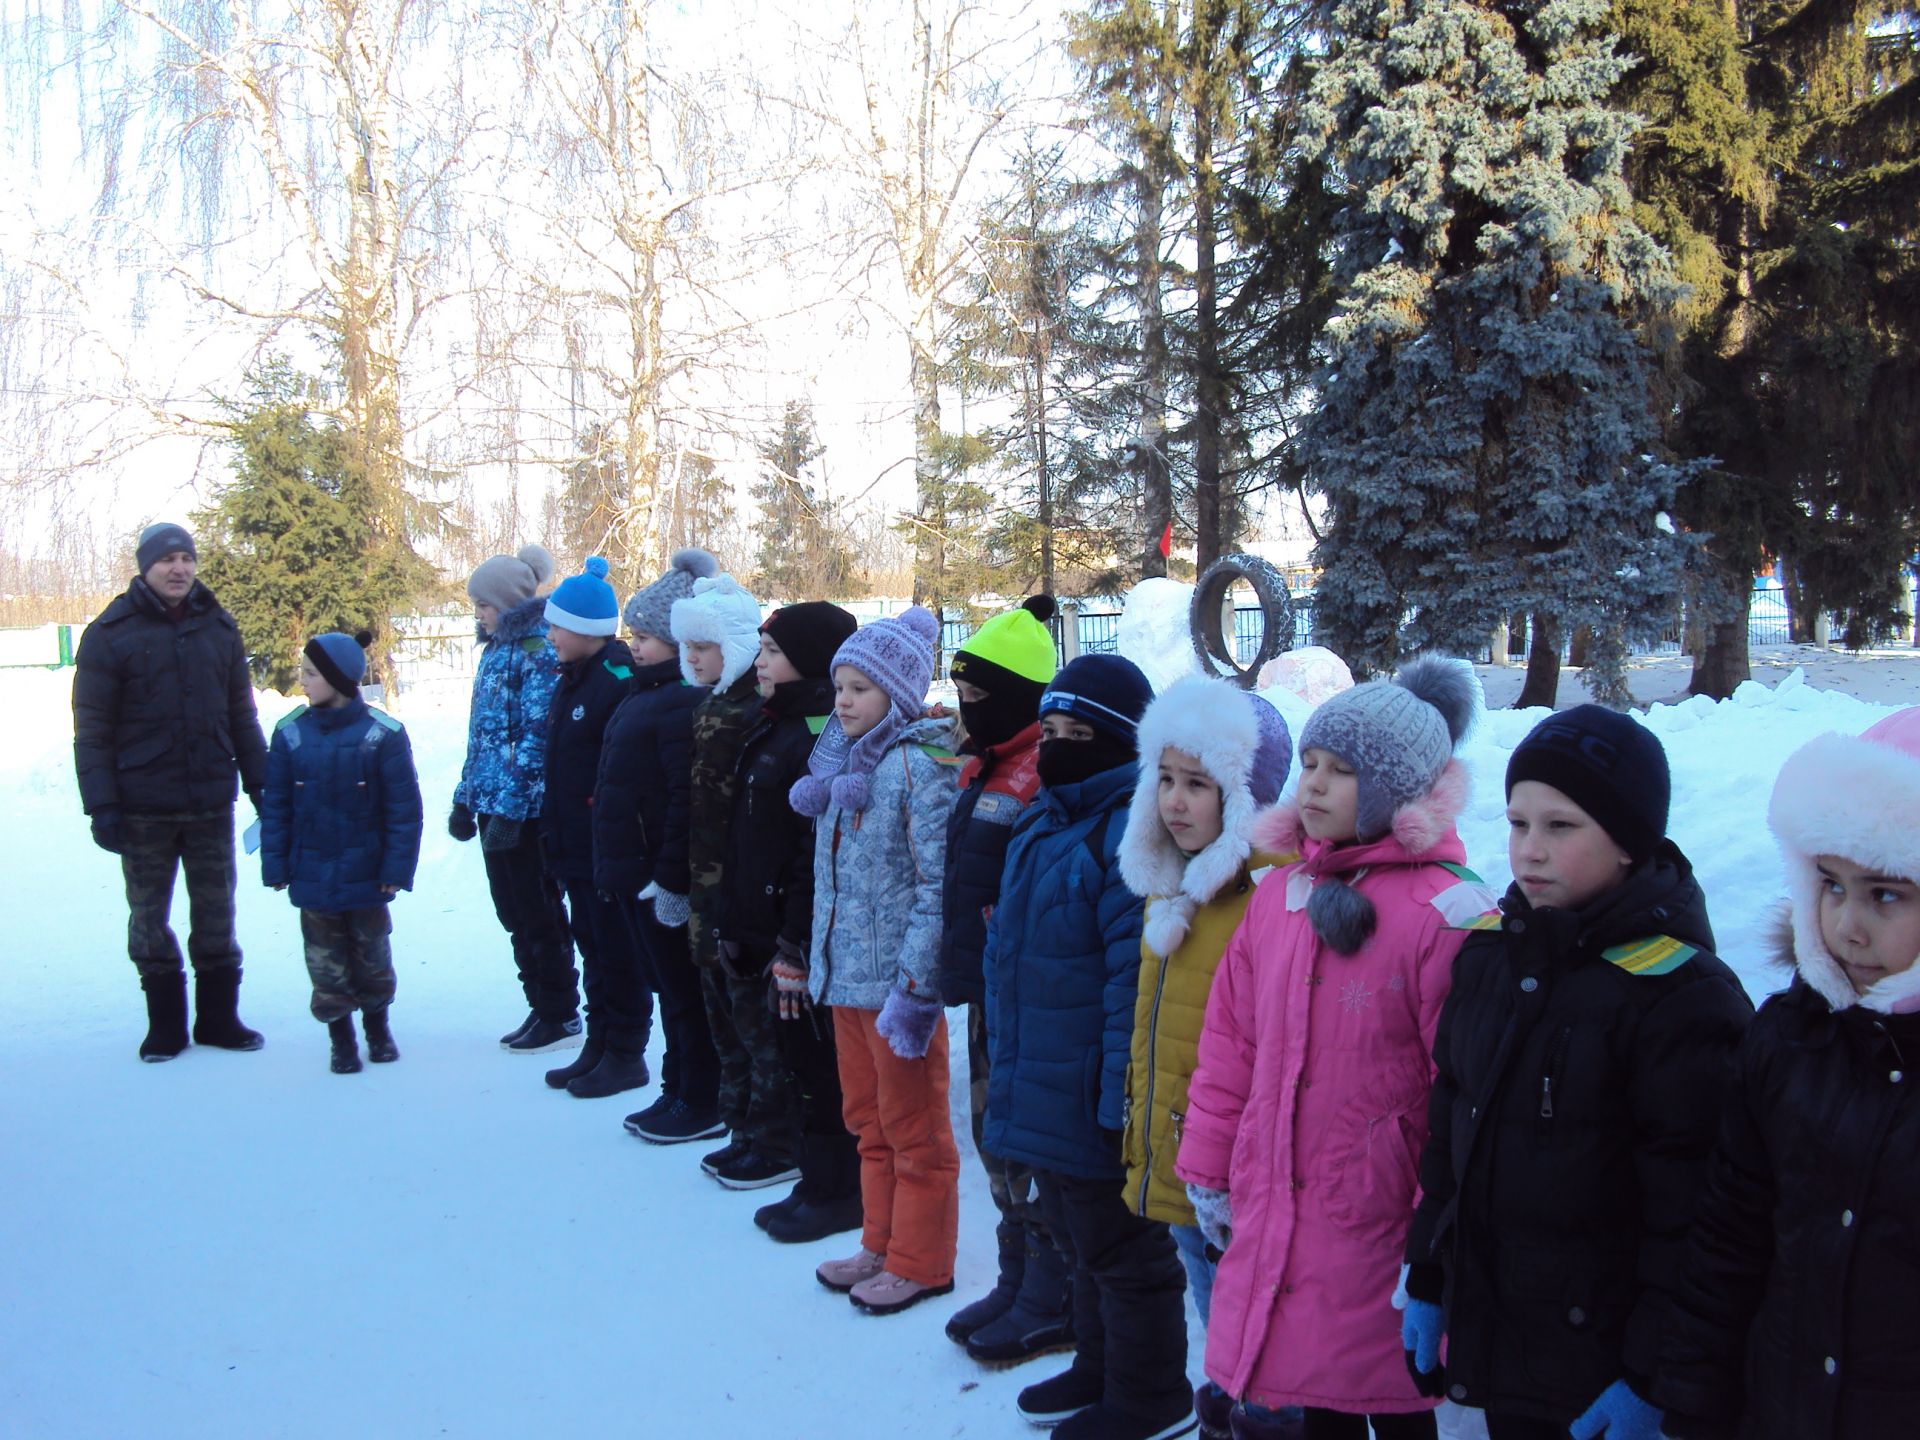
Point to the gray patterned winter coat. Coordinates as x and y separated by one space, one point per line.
877 875
506 768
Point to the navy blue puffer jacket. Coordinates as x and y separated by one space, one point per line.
1063 968
341 813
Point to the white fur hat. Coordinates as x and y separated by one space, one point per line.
1857 797
1242 742
719 611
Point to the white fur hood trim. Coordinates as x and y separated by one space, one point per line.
1841 795
1188 716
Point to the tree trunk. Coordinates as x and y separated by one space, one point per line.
1210 390
1579 646
1722 662
1156 478
1542 685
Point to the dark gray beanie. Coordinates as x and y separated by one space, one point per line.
161 540
1397 734
650 611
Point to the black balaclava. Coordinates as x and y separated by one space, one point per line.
1068 762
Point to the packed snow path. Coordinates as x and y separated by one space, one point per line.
251 1245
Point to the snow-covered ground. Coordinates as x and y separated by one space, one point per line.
251 1245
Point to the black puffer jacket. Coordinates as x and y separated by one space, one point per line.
766 882
584 702
163 714
995 790
1575 1100
1796 1307
641 814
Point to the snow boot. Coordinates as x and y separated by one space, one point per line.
889 1294
1257 1422
755 1169
621 1067
166 1016
675 1123
843 1275
766 1215
216 1005
533 1019
1215 1409
828 1193
545 1035
346 1049
735 1149
380 1047
1064 1395
1040 1320
585 1060
997 1301
1101 1421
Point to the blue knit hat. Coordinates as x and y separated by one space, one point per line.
585 604
1108 692
157 541
340 659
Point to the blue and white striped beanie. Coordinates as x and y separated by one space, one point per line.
1108 692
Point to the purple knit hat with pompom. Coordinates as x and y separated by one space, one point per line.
897 655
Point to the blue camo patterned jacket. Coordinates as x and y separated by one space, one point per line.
506 767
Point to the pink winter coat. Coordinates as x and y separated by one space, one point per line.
1309 1107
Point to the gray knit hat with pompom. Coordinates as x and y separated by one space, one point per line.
650 611
509 580
1397 734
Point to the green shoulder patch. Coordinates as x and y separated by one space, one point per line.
940 755
533 644
380 717
817 723
619 672
1656 955
1488 921
1461 872
289 718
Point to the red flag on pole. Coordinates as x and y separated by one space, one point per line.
1166 541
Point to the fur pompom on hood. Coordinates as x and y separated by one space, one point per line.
1857 797
1243 743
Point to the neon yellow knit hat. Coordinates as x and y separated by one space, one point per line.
1016 642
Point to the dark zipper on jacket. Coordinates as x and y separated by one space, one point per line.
1146 1134
1556 1058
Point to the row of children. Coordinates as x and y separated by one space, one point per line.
1292 1049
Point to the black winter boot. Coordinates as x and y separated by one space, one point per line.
216 1005
166 1016
621 1067
380 1047
1039 1321
346 1050
997 1301
829 1192
589 1056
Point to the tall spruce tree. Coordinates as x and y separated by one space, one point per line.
799 554
290 545
1484 439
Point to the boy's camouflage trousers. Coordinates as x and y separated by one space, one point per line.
349 960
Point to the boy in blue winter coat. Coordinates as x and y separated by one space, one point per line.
1063 970
340 832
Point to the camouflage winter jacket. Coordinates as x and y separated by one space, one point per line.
720 726
506 766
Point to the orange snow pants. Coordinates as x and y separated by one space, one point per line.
909 1168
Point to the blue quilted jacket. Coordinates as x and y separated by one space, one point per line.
506 769
340 816
1062 969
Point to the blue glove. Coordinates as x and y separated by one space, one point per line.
1421 1325
1213 1211
1619 1414
907 1021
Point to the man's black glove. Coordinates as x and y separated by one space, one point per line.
461 824
106 829
253 798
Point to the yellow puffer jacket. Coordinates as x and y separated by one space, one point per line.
1167 1020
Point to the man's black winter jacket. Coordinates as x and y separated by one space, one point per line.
584 702
163 713
1575 1101
1798 1303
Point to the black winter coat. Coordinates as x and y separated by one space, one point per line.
163 714
641 816
1796 1311
1575 1100
588 694
766 881
995 790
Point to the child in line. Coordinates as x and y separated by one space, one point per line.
1213 758
503 785
766 926
1062 969
718 630
1307 1112
1795 1308
596 673
1580 1068
640 844
881 793
1000 672
340 827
